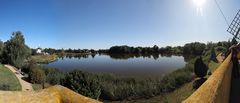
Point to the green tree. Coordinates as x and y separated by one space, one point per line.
195 48
200 68
15 50
1 50
155 48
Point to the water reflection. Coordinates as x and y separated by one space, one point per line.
131 65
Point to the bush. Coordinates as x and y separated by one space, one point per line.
30 64
83 83
37 75
175 79
120 88
213 56
200 69
53 76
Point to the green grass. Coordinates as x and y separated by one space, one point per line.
180 94
44 58
174 97
39 86
9 78
213 66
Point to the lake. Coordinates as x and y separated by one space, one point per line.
127 66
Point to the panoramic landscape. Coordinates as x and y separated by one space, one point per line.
119 51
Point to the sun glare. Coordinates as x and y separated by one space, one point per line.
199 6
199 3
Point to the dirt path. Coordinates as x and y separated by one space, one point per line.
26 86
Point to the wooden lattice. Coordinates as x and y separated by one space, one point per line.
234 27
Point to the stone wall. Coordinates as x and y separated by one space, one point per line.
217 88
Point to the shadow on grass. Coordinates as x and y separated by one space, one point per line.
198 82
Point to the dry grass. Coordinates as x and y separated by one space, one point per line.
44 58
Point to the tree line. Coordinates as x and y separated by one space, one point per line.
194 48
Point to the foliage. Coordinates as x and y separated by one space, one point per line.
175 79
36 75
213 55
53 76
111 87
200 69
15 51
83 83
119 88
221 49
195 48
1 50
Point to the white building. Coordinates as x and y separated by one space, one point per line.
39 51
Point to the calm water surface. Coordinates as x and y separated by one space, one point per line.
137 66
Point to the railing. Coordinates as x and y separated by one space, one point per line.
55 94
217 88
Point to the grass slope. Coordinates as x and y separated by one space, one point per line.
44 58
179 94
9 78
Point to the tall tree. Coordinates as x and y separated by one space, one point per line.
1 50
15 50
155 48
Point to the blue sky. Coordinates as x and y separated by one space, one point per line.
104 23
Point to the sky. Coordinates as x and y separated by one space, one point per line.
104 23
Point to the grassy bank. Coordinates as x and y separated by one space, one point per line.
8 80
178 95
174 97
44 58
181 93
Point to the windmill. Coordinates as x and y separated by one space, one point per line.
234 27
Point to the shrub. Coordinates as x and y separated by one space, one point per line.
30 64
83 83
200 69
213 55
53 76
175 79
36 75
111 87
